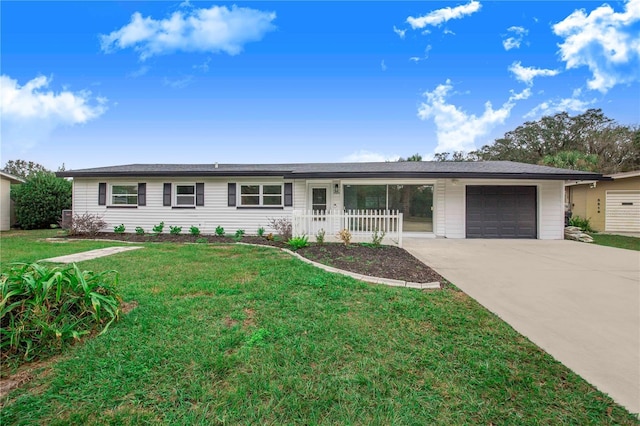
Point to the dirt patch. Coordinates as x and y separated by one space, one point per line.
126 307
25 374
249 321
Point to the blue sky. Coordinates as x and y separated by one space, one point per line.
104 83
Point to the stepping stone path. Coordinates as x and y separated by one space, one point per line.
88 255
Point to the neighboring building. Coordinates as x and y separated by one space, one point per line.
6 205
493 199
610 206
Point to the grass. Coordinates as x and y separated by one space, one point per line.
237 334
619 241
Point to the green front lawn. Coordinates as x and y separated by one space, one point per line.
249 335
620 241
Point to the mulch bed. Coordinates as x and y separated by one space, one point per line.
383 261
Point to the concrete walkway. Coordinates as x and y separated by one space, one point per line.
579 302
88 255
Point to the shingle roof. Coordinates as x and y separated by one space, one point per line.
407 169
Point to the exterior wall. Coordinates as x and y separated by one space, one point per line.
590 203
215 211
550 205
5 204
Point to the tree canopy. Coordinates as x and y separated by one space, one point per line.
23 169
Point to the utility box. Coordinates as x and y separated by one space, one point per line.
67 217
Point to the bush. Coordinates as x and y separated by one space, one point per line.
345 236
175 230
283 227
194 230
377 237
119 229
219 231
320 236
298 242
40 200
87 224
139 230
261 232
44 309
581 223
239 234
157 229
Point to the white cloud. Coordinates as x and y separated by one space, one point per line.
364 156
217 29
527 74
515 40
551 107
439 16
383 66
417 59
29 113
605 41
457 130
178 83
401 33
139 72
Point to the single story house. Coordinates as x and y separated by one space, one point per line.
492 199
6 205
610 206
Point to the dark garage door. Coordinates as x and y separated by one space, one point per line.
501 212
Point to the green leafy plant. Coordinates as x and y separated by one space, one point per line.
345 236
175 230
239 234
119 229
43 309
139 230
297 243
194 230
40 200
377 237
86 224
261 232
157 229
219 231
581 223
320 236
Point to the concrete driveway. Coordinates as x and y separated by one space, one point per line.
579 302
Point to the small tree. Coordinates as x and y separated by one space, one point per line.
40 200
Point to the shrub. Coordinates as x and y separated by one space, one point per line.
320 236
44 309
40 200
86 224
239 234
283 227
377 237
261 232
139 230
158 228
119 229
269 237
580 223
298 242
194 230
219 231
175 230
345 236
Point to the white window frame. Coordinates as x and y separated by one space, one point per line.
111 194
175 194
261 195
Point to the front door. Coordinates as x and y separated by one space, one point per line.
319 199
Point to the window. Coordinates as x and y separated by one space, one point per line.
185 195
124 195
261 195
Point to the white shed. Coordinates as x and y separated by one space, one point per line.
6 180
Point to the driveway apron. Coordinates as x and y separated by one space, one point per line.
577 301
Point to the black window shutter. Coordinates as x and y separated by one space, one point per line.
199 194
102 194
166 195
232 195
288 194
142 194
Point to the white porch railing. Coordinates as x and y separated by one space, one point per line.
361 223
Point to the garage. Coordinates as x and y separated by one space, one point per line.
501 211
622 211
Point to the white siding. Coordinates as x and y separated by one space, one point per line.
550 206
215 211
439 208
622 211
5 204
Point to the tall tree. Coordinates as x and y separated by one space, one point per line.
616 147
23 169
